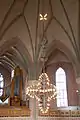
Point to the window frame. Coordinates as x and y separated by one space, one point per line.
1 84
63 99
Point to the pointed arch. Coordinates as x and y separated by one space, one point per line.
15 52
59 46
61 88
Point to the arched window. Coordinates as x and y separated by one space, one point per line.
12 73
1 84
61 88
1 89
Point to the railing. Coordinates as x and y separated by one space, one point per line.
61 113
7 111
23 111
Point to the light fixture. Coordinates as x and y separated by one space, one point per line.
43 91
77 91
46 92
43 17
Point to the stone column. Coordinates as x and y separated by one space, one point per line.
78 91
33 108
33 103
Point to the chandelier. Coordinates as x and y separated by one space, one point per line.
43 91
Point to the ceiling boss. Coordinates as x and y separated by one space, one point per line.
43 17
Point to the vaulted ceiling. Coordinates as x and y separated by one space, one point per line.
22 33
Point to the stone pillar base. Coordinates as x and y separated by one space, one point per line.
33 105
